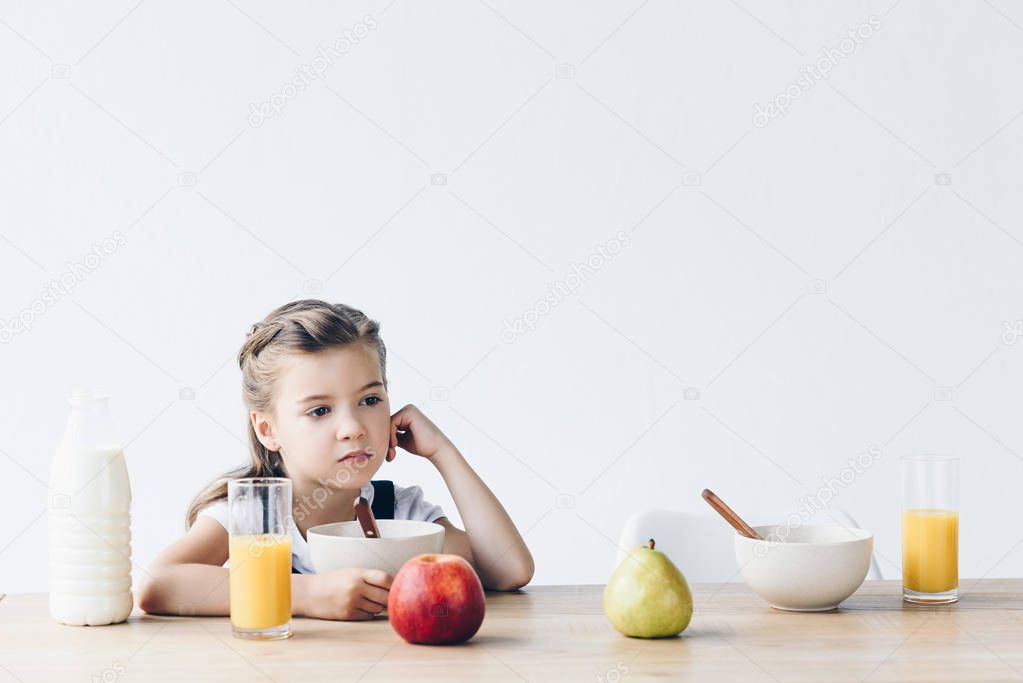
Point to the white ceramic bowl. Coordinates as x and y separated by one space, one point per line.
814 569
342 545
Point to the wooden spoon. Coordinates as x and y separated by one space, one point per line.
735 520
367 521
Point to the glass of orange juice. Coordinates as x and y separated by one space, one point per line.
930 529
260 557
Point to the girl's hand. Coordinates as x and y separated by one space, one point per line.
348 594
416 434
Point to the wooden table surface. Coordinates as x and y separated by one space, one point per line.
555 633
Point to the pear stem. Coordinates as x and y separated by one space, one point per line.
650 544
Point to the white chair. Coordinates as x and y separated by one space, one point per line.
701 545
842 517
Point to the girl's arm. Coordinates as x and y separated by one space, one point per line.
495 547
188 578
490 540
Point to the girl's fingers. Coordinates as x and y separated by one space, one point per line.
402 419
377 578
359 614
397 418
402 438
391 448
403 422
376 595
369 606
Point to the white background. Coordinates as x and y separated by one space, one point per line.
815 281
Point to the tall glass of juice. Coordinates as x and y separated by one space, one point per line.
930 529
260 557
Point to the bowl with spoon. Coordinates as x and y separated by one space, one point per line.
369 543
806 568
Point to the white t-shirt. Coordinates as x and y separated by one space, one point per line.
408 504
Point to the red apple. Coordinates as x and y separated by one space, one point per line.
436 599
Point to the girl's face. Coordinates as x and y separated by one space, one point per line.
328 404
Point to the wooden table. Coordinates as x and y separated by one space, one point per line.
555 633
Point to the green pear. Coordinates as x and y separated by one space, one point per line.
647 596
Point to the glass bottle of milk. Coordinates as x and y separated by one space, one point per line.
89 519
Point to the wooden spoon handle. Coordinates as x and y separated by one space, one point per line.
735 520
364 514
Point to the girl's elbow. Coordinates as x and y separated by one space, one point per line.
149 599
516 578
514 583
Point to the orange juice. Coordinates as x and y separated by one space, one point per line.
260 580
930 550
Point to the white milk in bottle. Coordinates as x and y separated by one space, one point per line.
89 520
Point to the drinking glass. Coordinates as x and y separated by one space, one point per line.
260 553
930 529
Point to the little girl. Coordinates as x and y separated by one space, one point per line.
314 381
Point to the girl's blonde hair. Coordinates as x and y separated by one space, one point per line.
303 326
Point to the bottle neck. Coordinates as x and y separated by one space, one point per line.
89 426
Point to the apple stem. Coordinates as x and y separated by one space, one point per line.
650 544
